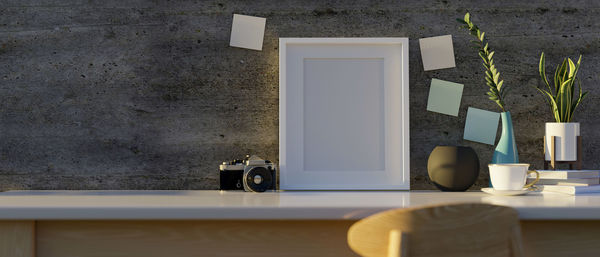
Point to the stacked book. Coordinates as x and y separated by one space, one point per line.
571 182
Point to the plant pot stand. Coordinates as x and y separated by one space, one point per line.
553 160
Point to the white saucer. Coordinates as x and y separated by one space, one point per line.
492 191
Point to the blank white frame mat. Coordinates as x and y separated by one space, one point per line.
343 114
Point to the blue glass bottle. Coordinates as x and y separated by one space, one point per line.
506 150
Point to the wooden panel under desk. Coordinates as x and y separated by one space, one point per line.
17 238
265 238
192 238
561 238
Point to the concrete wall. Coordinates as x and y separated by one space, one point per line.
148 95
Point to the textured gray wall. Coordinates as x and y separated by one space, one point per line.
148 95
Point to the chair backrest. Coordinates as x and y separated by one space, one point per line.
442 230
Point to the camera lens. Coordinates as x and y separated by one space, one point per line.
258 179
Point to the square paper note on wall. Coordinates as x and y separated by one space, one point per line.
437 52
247 32
481 126
444 97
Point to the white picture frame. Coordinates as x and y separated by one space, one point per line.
344 114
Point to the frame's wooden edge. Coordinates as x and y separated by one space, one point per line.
406 111
343 40
394 187
282 112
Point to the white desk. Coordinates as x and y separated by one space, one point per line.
174 205
209 223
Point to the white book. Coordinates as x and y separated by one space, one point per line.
567 182
567 174
572 190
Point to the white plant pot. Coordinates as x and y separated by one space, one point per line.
566 140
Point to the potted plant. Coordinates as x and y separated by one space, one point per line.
563 99
506 150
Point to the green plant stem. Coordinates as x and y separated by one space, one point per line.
496 91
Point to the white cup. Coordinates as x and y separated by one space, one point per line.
511 176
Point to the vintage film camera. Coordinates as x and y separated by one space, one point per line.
252 174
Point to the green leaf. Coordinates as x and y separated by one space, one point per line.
542 69
571 68
578 100
563 71
553 105
494 90
563 100
555 80
580 89
467 17
496 76
486 65
483 56
489 81
542 91
577 104
577 67
501 104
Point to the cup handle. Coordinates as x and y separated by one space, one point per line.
537 178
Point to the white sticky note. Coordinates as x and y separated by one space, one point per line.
481 126
247 32
437 52
444 97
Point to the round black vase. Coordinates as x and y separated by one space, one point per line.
453 168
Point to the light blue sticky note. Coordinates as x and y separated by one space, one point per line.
481 126
444 97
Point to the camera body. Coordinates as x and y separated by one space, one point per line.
252 174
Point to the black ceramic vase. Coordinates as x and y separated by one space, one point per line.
453 168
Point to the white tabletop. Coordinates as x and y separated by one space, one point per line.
90 205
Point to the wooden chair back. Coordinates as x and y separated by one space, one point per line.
459 230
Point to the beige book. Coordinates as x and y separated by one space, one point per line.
567 174
567 182
571 190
